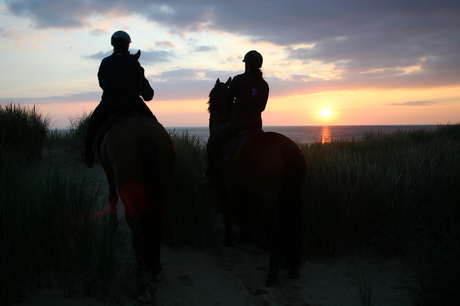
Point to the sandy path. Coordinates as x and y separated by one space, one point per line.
235 276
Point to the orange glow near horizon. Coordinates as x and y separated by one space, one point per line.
344 108
366 107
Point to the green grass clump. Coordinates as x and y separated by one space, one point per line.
22 131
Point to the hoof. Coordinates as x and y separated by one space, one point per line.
272 276
145 297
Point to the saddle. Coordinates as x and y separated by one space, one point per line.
118 113
229 148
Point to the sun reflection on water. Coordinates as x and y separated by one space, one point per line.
325 134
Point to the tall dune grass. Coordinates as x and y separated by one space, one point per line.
22 130
74 138
48 230
382 191
191 217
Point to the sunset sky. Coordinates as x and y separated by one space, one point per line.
327 62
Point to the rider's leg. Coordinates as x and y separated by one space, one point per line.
215 143
98 116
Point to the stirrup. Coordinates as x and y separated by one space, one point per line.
208 181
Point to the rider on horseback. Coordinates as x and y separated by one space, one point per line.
122 80
245 101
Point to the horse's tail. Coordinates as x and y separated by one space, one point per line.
152 219
151 174
290 214
152 184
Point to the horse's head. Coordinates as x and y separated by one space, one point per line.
216 106
217 97
145 89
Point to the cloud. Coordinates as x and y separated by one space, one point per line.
164 44
98 32
205 48
414 103
52 14
153 57
7 33
67 98
12 34
374 43
147 57
97 56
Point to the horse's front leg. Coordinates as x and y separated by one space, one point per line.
225 201
274 268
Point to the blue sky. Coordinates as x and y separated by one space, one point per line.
368 62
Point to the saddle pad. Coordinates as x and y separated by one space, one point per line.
108 125
226 153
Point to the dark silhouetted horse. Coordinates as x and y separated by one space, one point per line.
267 170
138 155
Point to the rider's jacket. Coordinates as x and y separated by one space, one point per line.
122 79
246 98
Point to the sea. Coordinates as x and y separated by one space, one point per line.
310 134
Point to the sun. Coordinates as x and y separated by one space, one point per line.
326 113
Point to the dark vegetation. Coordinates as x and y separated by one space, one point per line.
396 193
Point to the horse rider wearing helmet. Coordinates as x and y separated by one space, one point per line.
246 99
122 80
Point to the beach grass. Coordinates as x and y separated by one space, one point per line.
191 211
23 130
49 230
365 288
397 193
382 191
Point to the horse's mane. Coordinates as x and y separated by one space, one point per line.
217 96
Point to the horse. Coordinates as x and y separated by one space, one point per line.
267 170
138 156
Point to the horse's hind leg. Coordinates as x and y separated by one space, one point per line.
275 257
146 239
291 229
152 232
294 249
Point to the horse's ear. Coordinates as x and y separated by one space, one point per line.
228 81
217 81
137 55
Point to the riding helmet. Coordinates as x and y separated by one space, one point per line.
253 59
120 37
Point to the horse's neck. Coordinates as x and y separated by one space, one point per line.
216 116
214 125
